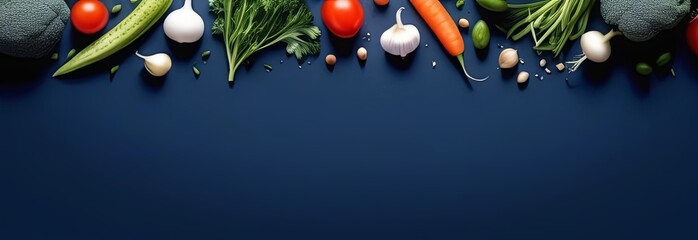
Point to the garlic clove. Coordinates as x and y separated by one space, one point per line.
400 39
508 58
157 64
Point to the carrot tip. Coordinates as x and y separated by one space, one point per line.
462 64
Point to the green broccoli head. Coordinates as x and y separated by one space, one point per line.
31 29
641 20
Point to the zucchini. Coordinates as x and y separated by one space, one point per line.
144 16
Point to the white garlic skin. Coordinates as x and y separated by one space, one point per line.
184 25
400 39
157 64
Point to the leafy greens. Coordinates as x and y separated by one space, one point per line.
248 26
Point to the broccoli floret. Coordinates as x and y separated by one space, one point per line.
641 20
31 28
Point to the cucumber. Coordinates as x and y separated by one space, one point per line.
144 16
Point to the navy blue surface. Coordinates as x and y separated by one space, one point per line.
385 150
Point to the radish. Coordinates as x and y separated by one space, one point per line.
595 47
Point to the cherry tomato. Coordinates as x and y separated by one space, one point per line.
89 16
343 17
692 35
381 2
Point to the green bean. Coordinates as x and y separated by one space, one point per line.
551 23
492 5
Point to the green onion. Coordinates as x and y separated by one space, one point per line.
673 73
134 1
551 23
268 67
116 8
460 3
54 56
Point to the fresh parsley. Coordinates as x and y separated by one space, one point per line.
248 26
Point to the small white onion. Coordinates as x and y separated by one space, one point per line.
595 46
184 25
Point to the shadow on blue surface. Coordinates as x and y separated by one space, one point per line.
21 76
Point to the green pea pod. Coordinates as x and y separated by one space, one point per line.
664 59
481 35
493 5
643 69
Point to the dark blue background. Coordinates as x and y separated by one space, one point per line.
385 150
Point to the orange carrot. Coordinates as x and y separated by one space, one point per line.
441 23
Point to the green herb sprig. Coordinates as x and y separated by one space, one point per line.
248 26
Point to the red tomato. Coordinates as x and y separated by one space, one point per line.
381 2
343 17
692 35
89 16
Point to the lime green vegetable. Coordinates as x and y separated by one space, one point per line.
116 8
248 26
664 59
144 16
481 35
196 71
114 69
643 69
493 5
460 3
54 56
71 54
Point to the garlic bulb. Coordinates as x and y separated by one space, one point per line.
184 25
157 64
400 39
